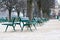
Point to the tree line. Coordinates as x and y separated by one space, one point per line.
39 5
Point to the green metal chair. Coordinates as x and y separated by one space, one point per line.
34 23
18 21
3 19
26 22
10 24
38 20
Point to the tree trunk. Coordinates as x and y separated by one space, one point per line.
18 13
39 7
39 14
23 13
29 9
9 14
46 13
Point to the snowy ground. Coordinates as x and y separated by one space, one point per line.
48 31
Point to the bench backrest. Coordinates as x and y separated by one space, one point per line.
24 19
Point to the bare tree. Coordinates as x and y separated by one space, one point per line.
24 7
9 5
39 7
18 8
21 5
29 9
46 5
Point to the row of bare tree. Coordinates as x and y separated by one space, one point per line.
43 5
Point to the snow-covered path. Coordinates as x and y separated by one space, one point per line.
49 31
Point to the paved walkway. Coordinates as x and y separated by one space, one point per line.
49 31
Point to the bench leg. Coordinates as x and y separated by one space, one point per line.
20 25
35 26
22 28
30 28
14 28
6 28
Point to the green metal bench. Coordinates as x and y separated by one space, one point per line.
27 22
10 24
44 19
18 22
38 20
3 20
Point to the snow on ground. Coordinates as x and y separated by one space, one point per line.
48 31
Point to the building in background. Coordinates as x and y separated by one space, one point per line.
56 11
